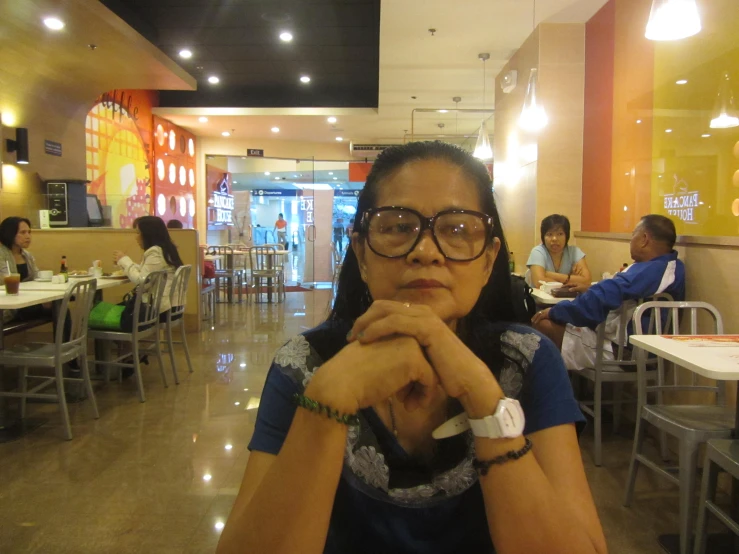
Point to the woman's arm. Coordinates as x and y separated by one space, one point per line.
540 502
137 273
537 274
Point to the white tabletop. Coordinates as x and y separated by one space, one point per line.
715 362
28 298
542 297
102 283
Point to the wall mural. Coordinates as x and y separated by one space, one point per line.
118 141
174 173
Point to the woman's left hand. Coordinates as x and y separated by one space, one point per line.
117 255
462 374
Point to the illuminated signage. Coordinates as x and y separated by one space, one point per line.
223 205
306 205
682 205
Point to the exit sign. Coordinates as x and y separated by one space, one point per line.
255 153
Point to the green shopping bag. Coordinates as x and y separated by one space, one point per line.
106 316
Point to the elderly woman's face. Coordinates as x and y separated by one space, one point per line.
23 236
424 275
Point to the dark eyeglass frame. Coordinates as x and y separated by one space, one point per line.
427 223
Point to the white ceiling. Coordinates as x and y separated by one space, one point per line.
412 63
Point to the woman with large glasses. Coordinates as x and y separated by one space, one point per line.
416 419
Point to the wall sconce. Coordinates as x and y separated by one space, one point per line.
19 145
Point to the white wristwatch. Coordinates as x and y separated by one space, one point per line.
507 422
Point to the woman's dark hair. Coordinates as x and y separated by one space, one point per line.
9 229
175 224
353 297
154 233
555 221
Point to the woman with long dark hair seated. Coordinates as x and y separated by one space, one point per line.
160 253
416 418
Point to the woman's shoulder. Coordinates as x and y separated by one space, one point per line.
154 250
575 252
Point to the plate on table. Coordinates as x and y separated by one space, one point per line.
40 280
80 276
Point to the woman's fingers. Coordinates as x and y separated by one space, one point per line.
381 309
397 324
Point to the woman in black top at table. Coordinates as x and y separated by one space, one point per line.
15 238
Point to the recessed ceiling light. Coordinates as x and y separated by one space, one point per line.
267 173
207 477
339 139
330 172
226 134
638 120
304 79
275 129
706 135
277 178
237 403
213 80
285 36
228 446
203 119
331 119
219 525
335 178
681 82
236 183
668 130
185 54
54 24
443 111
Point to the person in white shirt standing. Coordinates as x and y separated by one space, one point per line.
160 253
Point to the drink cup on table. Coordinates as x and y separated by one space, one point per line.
12 283
45 274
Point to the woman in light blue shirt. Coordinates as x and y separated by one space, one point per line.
554 259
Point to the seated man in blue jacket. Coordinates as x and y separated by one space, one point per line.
571 325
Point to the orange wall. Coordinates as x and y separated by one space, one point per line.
598 123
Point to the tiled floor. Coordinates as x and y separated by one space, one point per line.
160 477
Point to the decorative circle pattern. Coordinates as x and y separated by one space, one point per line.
172 140
183 207
191 175
191 147
161 171
161 135
172 173
161 204
183 175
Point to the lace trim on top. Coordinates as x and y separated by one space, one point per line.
363 456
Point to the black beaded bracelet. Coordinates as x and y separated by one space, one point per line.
311 405
483 466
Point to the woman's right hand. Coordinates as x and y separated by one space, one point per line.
360 376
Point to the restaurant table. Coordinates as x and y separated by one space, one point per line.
718 362
547 299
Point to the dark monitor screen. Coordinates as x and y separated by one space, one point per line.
94 210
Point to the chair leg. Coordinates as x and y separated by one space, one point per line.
170 346
597 420
88 384
708 492
184 344
62 400
137 372
23 383
158 348
688 469
618 394
634 464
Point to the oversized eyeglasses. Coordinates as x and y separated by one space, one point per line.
460 235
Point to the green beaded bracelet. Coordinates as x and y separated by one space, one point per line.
314 406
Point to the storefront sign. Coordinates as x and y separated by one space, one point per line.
276 192
682 205
255 153
53 148
306 205
223 204
354 193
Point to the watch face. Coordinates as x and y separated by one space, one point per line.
510 417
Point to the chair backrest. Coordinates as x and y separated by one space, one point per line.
149 301
178 291
262 258
83 293
667 317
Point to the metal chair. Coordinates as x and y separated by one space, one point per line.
263 268
176 316
720 454
691 425
54 355
618 371
145 325
228 276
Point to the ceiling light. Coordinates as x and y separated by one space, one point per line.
638 121
533 117
330 172
207 477
185 54
228 446
339 139
331 119
443 111
285 36
483 150
267 173
236 183
335 178
54 24
681 82
673 20
237 403
705 135
219 525
213 80
203 119
725 113
277 178
668 130
226 134
275 129
304 79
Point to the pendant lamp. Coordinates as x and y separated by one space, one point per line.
533 117
725 113
673 20
483 149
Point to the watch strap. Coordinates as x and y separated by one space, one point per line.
455 426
